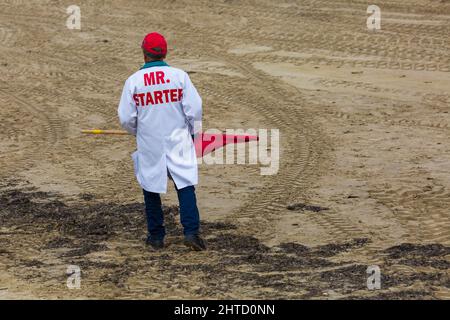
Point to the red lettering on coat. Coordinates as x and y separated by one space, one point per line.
141 98
166 95
173 95
160 77
158 97
136 99
149 98
149 79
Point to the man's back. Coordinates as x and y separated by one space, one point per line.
160 105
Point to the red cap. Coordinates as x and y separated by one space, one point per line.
155 43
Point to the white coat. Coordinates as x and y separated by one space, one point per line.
161 106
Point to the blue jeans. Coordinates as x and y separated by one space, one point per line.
189 215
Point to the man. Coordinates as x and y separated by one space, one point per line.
161 107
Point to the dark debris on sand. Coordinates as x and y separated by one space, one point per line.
238 260
305 207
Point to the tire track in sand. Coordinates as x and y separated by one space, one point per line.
301 162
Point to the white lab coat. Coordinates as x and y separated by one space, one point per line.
163 130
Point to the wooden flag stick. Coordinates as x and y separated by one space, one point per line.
98 131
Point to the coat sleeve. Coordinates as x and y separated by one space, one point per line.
192 106
127 109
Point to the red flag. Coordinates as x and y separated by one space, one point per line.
206 143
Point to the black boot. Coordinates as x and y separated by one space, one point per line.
155 244
195 242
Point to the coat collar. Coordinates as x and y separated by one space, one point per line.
158 63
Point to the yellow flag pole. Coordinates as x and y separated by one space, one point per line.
99 131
